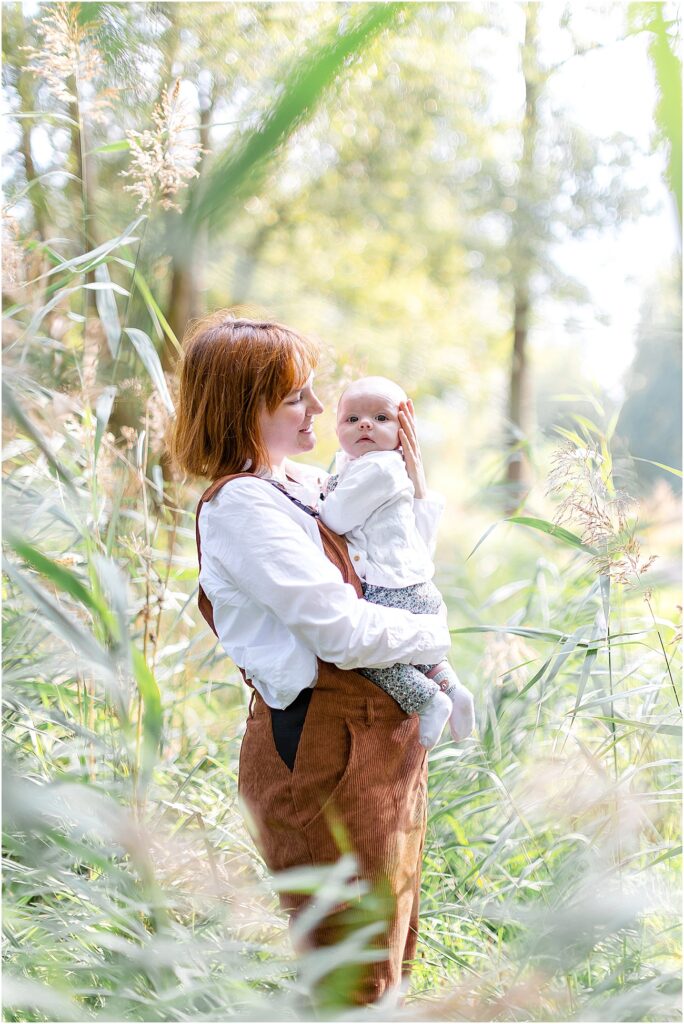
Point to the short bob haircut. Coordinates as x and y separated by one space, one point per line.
231 368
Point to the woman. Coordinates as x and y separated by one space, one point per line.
328 762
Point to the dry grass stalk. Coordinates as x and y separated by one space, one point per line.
601 517
68 54
163 157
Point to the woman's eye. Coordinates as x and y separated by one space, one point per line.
293 401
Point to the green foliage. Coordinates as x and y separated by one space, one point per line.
132 889
235 174
652 18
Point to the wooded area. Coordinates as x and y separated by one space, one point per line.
401 181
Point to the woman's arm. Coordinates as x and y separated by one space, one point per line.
265 553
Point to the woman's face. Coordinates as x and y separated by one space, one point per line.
288 430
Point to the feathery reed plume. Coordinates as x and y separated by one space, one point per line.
68 53
163 157
602 517
506 658
12 253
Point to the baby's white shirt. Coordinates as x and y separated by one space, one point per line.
391 534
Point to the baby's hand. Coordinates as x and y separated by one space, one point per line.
410 449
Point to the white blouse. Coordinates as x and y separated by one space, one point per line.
279 603
391 534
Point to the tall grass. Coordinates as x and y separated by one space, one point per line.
132 890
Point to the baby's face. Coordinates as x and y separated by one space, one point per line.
367 421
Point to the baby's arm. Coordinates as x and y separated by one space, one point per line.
364 485
427 512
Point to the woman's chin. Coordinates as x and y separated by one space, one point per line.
306 441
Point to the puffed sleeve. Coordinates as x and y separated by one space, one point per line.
428 512
364 485
274 561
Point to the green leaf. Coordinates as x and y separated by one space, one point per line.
40 314
103 410
669 730
535 678
538 524
112 147
483 538
88 260
63 624
152 714
543 634
553 530
16 412
589 661
60 576
43 114
215 194
571 435
668 113
660 465
104 286
106 308
154 309
148 354
672 851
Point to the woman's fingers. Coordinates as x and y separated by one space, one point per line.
407 422
407 447
411 449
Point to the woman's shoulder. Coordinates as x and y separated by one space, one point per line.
239 496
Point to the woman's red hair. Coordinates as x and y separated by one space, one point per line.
231 368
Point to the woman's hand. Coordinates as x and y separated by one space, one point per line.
411 449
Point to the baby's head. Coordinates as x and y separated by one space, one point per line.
368 416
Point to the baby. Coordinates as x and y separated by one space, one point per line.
391 534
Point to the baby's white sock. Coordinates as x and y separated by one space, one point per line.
433 718
462 716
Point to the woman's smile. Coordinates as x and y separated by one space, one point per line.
288 430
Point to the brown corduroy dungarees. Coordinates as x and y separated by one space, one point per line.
359 782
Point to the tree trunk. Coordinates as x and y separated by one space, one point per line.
35 193
518 408
518 469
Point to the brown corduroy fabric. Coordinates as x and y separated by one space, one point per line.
359 783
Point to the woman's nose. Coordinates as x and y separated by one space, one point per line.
315 406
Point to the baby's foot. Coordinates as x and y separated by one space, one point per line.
462 717
432 719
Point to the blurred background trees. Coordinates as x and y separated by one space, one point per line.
412 215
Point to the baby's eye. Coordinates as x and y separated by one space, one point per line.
353 419
382 417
